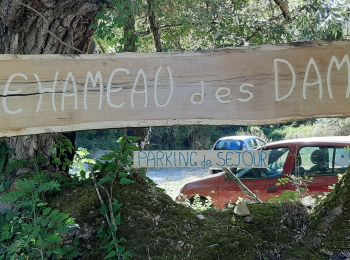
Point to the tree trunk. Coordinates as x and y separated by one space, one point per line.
154 25
44 27
130 34
130 37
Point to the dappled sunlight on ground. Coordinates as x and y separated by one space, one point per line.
172 179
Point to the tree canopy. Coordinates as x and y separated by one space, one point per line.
109 198
182 25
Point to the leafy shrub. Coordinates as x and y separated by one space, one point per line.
33 230
81 166
114 167
300 184
200 203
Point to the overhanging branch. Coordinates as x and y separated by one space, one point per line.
283 6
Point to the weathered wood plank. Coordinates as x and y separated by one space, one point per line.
201 158
250 85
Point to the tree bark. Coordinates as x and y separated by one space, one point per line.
130 35
154 25
44 27
283 6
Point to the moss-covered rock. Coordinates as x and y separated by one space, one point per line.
328 235
156 227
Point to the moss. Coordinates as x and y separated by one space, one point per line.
328 233
81 203
340 197
331 219
155 227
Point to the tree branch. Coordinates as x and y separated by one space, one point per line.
153 23
241 185
283 6
257 30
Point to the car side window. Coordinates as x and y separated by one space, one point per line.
341 160
322 160
277 160
252 143
260 142
281 156
228 145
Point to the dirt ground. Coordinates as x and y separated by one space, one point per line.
172 179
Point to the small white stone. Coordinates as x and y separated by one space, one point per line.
200 216
233 219
241 208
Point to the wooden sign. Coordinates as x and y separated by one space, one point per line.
201 158
249 85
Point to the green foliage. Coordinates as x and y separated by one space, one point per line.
113 167
300 185
59 152
162 138
291 131
4 157
81 166
33 230
189 137
332 126
117 164
115 247
253 130
286 196
200 25
9 167
4 153
101 139
201 204
113 20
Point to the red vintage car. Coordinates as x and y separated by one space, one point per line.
321 158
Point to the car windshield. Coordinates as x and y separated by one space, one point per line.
228 144
277 159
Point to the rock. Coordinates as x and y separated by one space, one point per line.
233 219
326 252
200 216
249 219
23 171
241 208
343 255
309 202
4 208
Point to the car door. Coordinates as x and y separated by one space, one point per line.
261 182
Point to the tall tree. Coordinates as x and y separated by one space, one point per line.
44 27
154 25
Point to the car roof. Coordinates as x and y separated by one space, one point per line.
313 141
238 137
